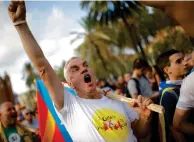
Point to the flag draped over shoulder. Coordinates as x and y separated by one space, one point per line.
51 128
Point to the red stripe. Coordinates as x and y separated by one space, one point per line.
57 135
42 113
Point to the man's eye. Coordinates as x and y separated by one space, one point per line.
74 69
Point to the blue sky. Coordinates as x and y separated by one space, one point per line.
51 23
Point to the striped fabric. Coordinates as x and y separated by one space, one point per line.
51 129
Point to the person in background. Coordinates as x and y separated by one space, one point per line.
138 84
36 113
120 82
18 108
149 74
171 63
189 61
159 76
121 86
112 85
127 77
20 117
30 121
10 130
183 120
104 85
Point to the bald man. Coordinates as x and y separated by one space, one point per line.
9 129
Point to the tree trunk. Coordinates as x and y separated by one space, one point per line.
133 37
129 29
142 51
146 40
100 56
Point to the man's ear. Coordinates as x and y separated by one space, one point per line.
166 70
71 85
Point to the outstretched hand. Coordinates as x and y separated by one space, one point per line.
140 106
17 11
181 11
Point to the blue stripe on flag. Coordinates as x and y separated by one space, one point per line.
45 96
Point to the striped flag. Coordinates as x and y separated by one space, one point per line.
51 128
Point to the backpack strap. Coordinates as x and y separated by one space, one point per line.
170 90
137 85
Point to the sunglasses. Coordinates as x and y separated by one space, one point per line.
28 113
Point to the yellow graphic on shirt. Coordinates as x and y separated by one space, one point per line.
112 126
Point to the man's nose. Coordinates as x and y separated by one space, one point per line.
13 111
84 70
185 63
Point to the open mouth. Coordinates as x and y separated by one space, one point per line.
87 78
13 115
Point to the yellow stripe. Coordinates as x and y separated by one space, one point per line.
162 125
161 117
166 89
49 129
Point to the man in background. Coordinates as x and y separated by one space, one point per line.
171 63
30 121
138 84
10 130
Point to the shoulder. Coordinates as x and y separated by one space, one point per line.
24 122
187 93
187 89
169 97
171 94
132 82
26 130
187 82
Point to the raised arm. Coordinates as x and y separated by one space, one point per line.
17 13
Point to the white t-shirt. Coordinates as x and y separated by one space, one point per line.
186 98
97 120
145 88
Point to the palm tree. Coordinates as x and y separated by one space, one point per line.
59 71
96 48
106 13
29 75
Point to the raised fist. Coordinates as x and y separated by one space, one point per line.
17 11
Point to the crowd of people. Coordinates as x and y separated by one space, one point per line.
18 124
162 84
168 84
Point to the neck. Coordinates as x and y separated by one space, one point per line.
176 77
7 125
30 121
136 75
93 95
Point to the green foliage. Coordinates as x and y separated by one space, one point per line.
111 27
59 71
29 75
169 38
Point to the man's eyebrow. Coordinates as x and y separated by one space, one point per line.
74 66
85 62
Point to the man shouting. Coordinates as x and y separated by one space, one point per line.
90 116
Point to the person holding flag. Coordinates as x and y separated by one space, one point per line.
89 116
